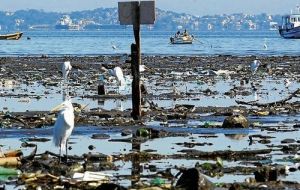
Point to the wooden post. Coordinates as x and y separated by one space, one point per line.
136 169
135 160
136 13
101 85
136 89
101 89
135 67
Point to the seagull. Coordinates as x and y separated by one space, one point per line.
63 126
254 66
287 83
66 68
142 68
113 45
174 90
265 45
209 72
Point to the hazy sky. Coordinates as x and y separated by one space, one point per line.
196 7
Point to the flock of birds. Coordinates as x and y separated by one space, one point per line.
254 67
64 124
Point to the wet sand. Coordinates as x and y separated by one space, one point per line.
20 76
186 104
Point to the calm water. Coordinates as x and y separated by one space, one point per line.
153 42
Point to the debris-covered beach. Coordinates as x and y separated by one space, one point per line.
201 115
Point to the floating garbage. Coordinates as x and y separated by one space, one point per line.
11 153
189 119
34 178
157 182
10 161
92 176
7 174
9 171
10 158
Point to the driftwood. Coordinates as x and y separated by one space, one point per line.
226 154
63 157
276 103
15 118
31 156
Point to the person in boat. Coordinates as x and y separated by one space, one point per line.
185 33
172 39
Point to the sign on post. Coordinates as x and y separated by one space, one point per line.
127 12
147 10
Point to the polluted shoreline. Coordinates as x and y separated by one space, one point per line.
207 121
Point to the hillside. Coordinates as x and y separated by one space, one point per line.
166 20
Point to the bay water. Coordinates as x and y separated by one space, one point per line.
89 43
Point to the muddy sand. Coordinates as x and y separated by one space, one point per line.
186 102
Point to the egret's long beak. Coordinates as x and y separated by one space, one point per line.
56 108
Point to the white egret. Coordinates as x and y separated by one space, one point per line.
63 126
118 74
119 105
66 68
255 96
254 66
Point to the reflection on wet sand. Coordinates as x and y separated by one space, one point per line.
236 136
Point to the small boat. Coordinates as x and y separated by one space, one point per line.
14 36
290 27
182 38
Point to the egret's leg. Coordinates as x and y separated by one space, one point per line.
67 150
60 151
